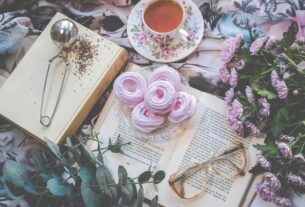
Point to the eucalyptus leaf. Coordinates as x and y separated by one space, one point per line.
56 187
12 192
15 173
54 148
122 174
140 198
144 177
158 177
154 202
129 190
88 154
90 196
114 148
30 188
86 173
106 182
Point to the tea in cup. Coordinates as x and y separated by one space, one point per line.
163 17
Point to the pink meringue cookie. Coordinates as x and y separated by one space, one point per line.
129 88
160 97
183 108
165 73
145 120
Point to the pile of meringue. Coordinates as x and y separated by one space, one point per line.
155 100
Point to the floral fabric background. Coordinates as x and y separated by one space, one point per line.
21 22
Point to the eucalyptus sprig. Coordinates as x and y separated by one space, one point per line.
75 176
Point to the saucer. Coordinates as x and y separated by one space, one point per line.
166 49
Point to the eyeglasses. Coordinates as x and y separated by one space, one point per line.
227 163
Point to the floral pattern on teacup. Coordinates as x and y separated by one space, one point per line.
165 47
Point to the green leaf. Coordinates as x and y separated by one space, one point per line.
256 170
154 202
56 187
159 176
278 121
11 191
129 190
106 183
54 148
266 93
269 150
90 196
140 198
290 36
86 173
30 188
122 174
115 148
15 173
145 176
88 154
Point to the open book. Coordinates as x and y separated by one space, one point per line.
203 134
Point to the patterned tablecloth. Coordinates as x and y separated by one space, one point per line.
21 22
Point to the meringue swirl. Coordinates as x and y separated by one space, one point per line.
145 120
129 88
183 108
160 97
165 73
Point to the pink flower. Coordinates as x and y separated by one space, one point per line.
237 109
294 46
264 191
282 201
233 78
263 162
272 181
295 180
253 130
249 94
239 65
257 45
191 36
272 40
141 37
229 97
224 74
285 138
282 90
264 111
274 78
159 40
166 52
301 65
236 125
284 149
230 46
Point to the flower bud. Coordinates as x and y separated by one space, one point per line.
286 76
272 181
284 149
295 92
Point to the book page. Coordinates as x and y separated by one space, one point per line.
139 154
206 132
196 146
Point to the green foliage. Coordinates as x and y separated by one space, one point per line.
92 185
290 35
278 121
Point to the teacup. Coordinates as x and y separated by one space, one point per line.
162 19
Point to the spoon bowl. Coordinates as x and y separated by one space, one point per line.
64 33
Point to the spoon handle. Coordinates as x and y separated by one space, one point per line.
46 120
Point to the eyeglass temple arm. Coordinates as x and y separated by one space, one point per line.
198 167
